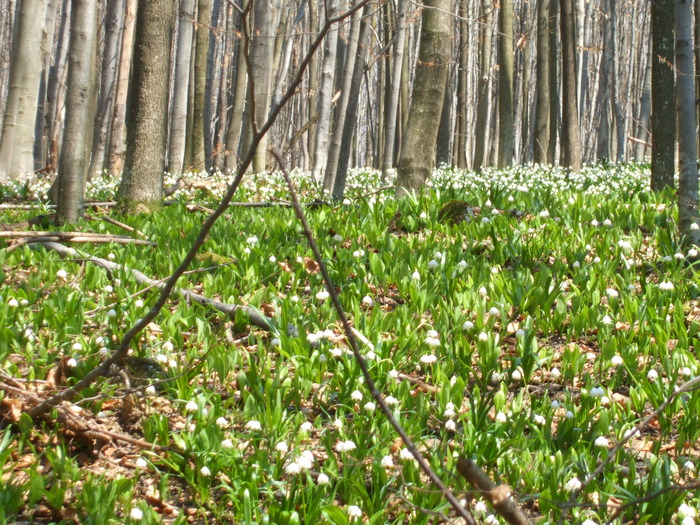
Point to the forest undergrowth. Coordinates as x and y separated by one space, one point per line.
544 328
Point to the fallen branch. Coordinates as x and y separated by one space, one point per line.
497 495
123 226
256 318
108 204
39 219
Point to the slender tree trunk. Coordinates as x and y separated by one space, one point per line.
17 140
553 83
542 108
418 150
142 182
460 148
663 126
117 147
312 92
233 133
108 85
482 108
41 139
571 138
200 81
506 132
687 146
77 137
178 125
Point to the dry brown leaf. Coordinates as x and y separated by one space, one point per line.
311 265
11 408
284 266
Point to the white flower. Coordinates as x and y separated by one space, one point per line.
539 419
679 256
367 300
150 390
306 460
687 511
141 463
594 223
423 215
666 286
488 203
387 462
292 468
356 395
322 295
433 264
71 363
555 373
221 422
253 424
358 253
688 520
689 465
576 264
370 407
338 238
450 425
432 341
520 333
136 514
347 202
554 404
204 471
111 256
138 303
596 260
501 417
406 455
597 391
168 346
602 442
394 374
695 226
589 522
252 240
345 446
415 276
483 336
572 485
191 406
480 508
391 401
62 274
617 360
462 264
108 288
227 443
692 253
611 293
468 325
544 214
354 511
652 375
323 479
607 320
516 375
449 411
485 220
569 414
494 311
483 291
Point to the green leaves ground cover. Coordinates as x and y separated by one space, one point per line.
531 344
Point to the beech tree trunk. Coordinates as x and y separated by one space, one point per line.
571 138
542 103
201 50
141 187
506 132
418 150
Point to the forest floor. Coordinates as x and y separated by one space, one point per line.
540 324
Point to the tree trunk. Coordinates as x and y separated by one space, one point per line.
418 150
482 108
233 132
687 145
117 147
77 137
553 84
542 103
17 140
460 148
142 182
506 134
571 138
200 81
663 126
178 125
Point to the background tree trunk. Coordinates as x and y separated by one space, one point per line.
482 108
542 109
571 138
418 150
142 180
17 140
201 51
506 132
77 138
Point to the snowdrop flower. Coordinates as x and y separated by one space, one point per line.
358 253
511 198
394 374
695 226
141 463
369 406
306 460
501 417
462 264
432 341
625 245
544 214
589 522
555 373
423 215
415 276
428 359
433 264
338 423
391 401
136 514
322 296
406 455
520 333
335 352
323 479
292 469
594 223
686 511
569 414
686 372
611 293
367 300
631 288
150 390
494 311
480 508
468 325
617 360
387 462
138 303
204 471
485 220
450 425
338 238
252 240
539 419
483 291
607 320
576 264
652 375
354 512
688 520
191 406
253 424
597 391
356 395
345 446
666 286
483 336
516 375
602 442
596 260
689 466
168 346
347 202
554 404
62 274
572 485
71 363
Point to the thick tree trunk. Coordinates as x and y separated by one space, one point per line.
571 138
142 182
506 136
418 150
17 140
553 83
460 147
482 108
687 146
77 137
542 109
663 126
178 125
200 81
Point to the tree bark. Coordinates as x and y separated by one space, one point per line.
482 108
687 145
77 137
571 138
542 96
663 126
506 134
200 82
418 150
142 181
17 140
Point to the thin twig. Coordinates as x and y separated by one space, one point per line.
352 339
